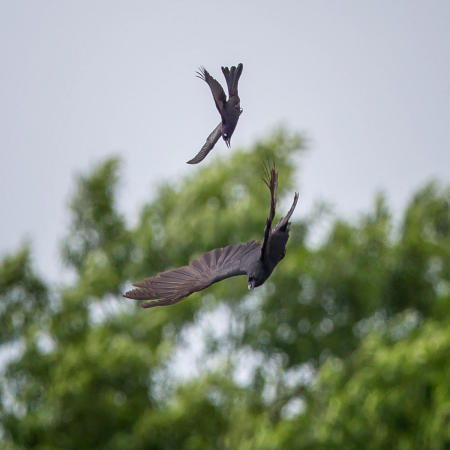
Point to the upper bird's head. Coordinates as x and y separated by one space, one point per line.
230 124
227 132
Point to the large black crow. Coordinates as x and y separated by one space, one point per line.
229 110
253 259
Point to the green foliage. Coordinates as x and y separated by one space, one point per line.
98 245
24 296
389 394
344 346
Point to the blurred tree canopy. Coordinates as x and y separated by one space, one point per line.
346 346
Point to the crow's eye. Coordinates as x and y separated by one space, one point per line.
225 134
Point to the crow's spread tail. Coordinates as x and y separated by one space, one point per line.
232 76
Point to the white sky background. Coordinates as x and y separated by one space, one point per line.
369 83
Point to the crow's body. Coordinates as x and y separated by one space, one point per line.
253 259
229 110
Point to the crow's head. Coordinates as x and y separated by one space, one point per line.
257 275
226 136
227 132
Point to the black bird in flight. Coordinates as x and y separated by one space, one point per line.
229 110
253 259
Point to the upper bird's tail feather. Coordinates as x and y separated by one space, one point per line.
232 77
202 73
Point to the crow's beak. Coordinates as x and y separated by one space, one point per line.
228 143
251 285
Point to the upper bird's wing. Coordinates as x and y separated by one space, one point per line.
271 181
232 77
211 141
174 285
216 89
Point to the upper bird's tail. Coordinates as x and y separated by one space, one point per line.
232 77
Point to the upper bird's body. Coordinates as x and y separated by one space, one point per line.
229 110
254 259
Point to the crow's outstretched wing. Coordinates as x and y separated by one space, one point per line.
211 141
216 89
174 285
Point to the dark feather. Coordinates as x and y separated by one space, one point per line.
211 141
283 224
232 78
174 285
271 181
276 248
216 88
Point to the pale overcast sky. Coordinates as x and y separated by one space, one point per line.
368 82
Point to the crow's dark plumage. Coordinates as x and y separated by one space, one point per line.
229 110
253 259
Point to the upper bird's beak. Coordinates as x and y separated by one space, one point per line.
228 143
251 285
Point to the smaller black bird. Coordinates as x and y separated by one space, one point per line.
253 259
229 110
